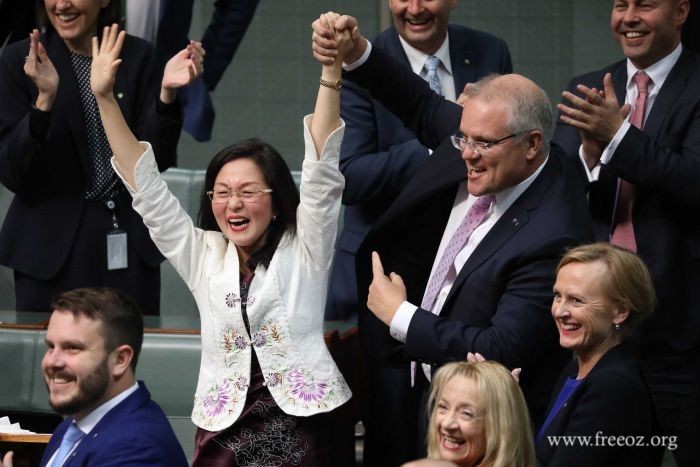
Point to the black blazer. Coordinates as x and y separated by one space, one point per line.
612 400
499 304
663 162
48 174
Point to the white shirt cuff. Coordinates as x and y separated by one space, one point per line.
360 61
401 321
593 173
615 142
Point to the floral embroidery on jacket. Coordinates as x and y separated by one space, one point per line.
217 398
303 386
232 342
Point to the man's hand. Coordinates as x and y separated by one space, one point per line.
7 460
599 115
39 68
386 294
477 357
105 60
324 45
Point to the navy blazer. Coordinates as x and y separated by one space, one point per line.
134 433
500 301
663 162
48 175
379 154
613 400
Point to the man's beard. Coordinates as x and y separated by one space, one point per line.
90 390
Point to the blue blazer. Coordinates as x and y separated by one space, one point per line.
379 154
500 302
612 400
663 162
134 433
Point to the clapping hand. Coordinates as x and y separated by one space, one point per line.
39 68
105 60
182 69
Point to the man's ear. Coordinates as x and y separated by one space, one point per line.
534 144
121 360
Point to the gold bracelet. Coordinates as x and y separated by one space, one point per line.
337 84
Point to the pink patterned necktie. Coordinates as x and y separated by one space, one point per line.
623 231
475 216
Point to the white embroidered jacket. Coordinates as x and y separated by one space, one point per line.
285 301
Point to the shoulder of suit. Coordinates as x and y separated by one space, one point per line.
471 35
617 67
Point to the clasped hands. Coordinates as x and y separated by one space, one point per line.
597 115
336 38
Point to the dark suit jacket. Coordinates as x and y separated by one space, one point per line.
135 432
612 400
43 156
499 304
379 154
663 162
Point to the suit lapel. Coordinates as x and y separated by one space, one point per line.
668 94
462 59
509 223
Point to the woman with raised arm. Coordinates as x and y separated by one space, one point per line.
70 223
258 268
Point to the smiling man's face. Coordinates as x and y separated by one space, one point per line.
422 23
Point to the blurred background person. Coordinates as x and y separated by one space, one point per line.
70 223
601 293
166 24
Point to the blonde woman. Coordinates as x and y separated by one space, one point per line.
478 416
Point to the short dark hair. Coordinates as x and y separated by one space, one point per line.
121 318
109 15
276 173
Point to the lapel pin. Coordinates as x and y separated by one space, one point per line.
467 61
120 95
515 221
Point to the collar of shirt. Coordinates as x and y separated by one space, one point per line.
88 423
658 73
417 59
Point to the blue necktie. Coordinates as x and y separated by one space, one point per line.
72 436
431 65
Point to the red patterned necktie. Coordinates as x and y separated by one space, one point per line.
623 231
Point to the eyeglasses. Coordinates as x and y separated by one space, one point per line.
480 146
247 194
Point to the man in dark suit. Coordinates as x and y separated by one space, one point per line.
495 293
379 154
655 159
92 346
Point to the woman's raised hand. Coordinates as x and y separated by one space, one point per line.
336 36
105 60
40 69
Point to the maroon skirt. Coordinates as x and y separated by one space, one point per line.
264 435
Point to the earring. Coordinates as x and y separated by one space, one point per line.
274 218
617 327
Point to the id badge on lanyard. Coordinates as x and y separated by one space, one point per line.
117 257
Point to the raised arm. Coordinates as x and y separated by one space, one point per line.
326 116
105 62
